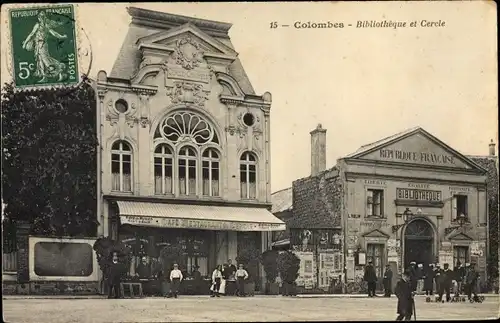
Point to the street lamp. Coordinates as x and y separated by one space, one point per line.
407 215
461 221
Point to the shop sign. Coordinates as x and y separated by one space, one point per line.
200 224
418 195
415 156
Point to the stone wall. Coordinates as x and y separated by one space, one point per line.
50 288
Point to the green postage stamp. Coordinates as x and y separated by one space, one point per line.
44 46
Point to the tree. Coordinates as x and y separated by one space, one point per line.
49 159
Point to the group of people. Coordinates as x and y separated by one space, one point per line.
444 279
416 279
226 279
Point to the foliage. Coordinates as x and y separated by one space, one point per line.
249 256
288 266
169 255
49 159
104 248
269 260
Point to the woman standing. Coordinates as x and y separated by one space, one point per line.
216 281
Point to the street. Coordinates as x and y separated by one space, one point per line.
225 309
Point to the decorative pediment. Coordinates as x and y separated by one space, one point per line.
415 146
459 236
231 88
189 40
376 233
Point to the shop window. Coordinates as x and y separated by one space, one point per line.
375 254
248 176
163 168
460 253
210 173
460 206
375 203
187 171
121 167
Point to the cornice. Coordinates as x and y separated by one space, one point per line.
167 20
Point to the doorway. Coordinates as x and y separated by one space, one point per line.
418 243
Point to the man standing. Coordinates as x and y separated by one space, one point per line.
371 278
241 276
420 278
387 281
115 271
143 271
459 277
229 273
405 294
429 274
413 275
471 282
175 279
445 282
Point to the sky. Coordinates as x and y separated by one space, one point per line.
361 84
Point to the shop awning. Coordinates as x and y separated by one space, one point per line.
203 217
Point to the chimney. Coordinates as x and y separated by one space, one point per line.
318 150
492 148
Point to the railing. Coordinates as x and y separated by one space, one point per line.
9 262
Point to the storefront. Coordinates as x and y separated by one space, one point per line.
185 145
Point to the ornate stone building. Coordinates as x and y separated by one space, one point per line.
408 197
184 143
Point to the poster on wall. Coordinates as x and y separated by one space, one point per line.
307 269
350 268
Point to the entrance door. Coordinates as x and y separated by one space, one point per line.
418 243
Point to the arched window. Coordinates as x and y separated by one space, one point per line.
184 125
210 174
163 165
248 176
121 167
187 171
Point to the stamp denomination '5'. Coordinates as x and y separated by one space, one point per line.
44 46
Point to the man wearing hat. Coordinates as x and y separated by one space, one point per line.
471 280
370 277
413 275
437 274
175 279
445 283
429 274
387 281
404 292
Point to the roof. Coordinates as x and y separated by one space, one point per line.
380 142
365 149
282 200
147 22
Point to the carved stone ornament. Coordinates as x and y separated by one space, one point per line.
144 122
113 116
187 92
187 53
101 94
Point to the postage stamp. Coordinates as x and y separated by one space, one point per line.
44 46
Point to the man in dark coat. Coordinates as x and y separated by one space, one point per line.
371 278
459 277
115 271
413 275
429 280
471 280
445 283
437 275
405 294
388 281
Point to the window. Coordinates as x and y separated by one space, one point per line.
163 168
187 171
248 176
460 253
459 206
375 203
121 167
210 173
375 253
